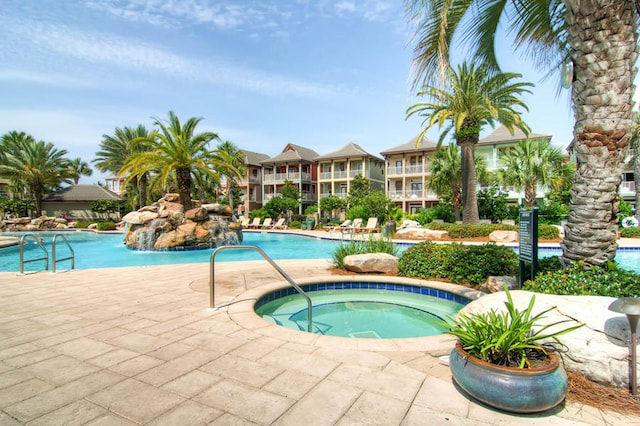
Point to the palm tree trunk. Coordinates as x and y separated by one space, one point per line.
183 176
603 37
530 194
142 189
636 177
469 192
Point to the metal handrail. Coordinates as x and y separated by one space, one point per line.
268 259
53 253
40 244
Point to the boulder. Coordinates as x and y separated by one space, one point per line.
217 208
421 234
198 214
496 284
599 350
371 263
139 218
504 236
152 208
171 197
22 221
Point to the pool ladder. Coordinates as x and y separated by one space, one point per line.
268 259
40 243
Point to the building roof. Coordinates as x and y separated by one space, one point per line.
424 145
253 158
292 153
80 193
348 151
503 135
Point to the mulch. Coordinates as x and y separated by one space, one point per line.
584 391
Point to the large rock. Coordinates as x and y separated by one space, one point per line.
504 236
168 226
599 350
371 263
496 284
139 217
421 234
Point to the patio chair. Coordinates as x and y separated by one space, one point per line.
279 224
267 223
255 224
244 222
372 226
338 227
353 228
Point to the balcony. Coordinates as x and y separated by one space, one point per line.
325 175
281 177
414 169
353 173
340 175
394 171
628 187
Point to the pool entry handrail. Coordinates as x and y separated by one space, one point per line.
40 243
268 259
54 260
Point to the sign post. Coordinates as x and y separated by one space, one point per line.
528 248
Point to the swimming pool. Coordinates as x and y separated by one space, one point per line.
93 250
363 309
99 250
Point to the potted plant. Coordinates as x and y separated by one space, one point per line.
500 359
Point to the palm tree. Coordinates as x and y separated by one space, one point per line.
529 165
231 166
446 175
37 167
175 153
599 40
635 160
472 99
116 149
79 168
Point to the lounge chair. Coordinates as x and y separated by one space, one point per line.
245 222
338 227
372 226
255 224
353 228
267 223
279 224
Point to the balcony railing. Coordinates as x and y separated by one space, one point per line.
339 175
353 173
394 171
413 169
339 195
325 175
281 177
628 187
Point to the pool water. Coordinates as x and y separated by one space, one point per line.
94 250
363 313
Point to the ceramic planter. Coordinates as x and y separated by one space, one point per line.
511 389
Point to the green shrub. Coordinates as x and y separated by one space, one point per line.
630 232
552 212
82 224
357 212
373 245
545 232
106 226
596 281
295 224
459 263
442 211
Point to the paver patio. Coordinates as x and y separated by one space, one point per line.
139 345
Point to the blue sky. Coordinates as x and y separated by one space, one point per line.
261 73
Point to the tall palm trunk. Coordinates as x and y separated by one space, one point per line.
142 189
469 181
602 34
530 194
183 176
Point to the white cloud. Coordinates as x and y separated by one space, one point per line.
59 43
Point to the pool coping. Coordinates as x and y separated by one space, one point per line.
241 311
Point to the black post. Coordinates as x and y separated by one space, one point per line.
528 247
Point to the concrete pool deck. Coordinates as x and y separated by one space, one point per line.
139 345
